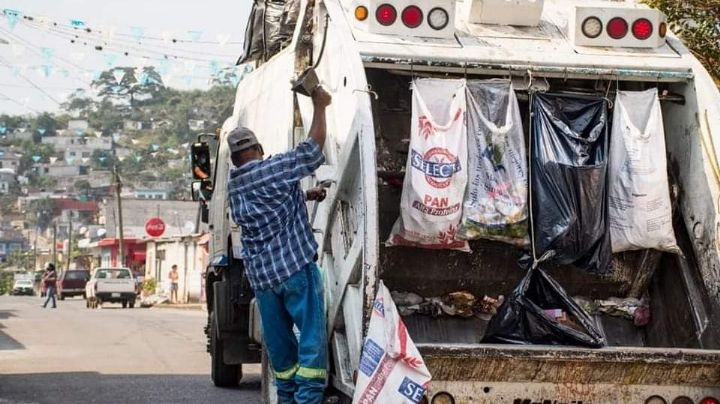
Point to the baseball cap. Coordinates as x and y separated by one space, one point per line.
241 139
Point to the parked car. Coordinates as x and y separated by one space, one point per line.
72 283
23 287
113 285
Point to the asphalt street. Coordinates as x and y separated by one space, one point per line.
112 355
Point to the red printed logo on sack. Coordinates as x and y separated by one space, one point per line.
438 165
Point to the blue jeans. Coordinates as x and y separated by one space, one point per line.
300 363
50 293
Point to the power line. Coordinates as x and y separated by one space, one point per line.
3 62
14 101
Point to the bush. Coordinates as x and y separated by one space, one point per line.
149 285
698 23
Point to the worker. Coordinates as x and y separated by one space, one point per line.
279 252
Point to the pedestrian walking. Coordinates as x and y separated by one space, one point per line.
279 252
49 279
174 284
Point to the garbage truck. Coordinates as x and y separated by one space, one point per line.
367 53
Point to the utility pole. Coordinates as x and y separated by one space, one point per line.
54 243
121 236
69 254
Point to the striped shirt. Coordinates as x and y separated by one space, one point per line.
266 201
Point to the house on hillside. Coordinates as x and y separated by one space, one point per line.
78 126
196 124
10 240
59 170
8 180
10 160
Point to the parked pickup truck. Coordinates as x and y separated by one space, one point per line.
114 285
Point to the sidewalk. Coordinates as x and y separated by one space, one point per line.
181 306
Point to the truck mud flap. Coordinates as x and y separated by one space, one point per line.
225 312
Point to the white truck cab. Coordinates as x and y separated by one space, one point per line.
371 50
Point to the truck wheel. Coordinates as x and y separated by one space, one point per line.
222 375
132 304
268 390
124 304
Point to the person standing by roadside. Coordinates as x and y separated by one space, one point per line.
174 284
49 278
279 252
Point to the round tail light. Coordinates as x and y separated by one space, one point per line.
592 27
617 28
386 14
412 16
361 13
709 400
438 18
642 28
662 31
682 400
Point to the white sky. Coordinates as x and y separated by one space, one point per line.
64 66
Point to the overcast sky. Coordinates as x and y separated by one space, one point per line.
208 36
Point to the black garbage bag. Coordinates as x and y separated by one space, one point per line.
569 186
522 319
270 28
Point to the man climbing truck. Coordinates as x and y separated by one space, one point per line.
367 54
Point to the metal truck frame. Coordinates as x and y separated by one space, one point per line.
367 74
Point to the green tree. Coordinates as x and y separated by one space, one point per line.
698 23
136 87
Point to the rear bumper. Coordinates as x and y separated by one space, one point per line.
73 291
23 291
115 296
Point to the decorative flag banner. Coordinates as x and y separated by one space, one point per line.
156 147
154 154
142 78
188 80
134 141
79 131
36 158
47 53
121 158
97 74
53 160
2 153
167 36
195 35
17 49
46 70
41 131
119 75
102 159
3 129
116 137
108 32
46 23
138 158
85 160
110 59
223 39
12 16
117 89
137 32
15 71
77 56
77 23
214 67
164 67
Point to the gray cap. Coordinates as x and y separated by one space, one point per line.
240 139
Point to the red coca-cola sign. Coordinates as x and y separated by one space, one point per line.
155 227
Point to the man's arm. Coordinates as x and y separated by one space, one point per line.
318 129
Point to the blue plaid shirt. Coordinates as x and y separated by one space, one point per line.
266 201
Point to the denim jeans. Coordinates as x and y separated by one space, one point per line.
50 295
300 363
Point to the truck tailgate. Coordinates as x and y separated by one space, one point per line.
116 285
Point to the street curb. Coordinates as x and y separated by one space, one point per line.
179 306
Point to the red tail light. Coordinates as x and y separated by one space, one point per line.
642 28
386 14
617 28
412 16
709 400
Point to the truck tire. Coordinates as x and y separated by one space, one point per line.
132 304
222 375
124 304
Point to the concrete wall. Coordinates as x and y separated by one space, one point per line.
188 255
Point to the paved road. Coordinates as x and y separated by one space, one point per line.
112 355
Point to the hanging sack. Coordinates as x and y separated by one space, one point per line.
639 205
436 170
391 369
495 205
527 316
569 189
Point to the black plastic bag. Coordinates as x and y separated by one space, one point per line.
569 186
521 319
270 28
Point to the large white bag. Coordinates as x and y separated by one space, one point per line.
391 368
639 209
495 205
436 171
